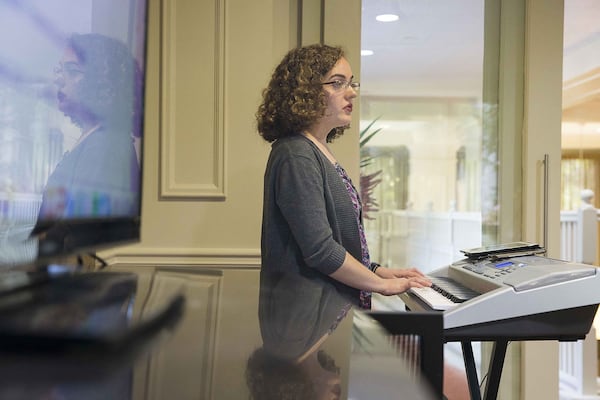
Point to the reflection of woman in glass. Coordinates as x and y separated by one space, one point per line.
270 378
99 89
297 316
299 319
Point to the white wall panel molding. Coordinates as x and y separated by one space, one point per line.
192 137
189 257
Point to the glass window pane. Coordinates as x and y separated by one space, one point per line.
429 171
581 105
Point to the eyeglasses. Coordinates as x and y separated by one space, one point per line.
69 69
339 85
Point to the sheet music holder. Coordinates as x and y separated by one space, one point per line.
505 250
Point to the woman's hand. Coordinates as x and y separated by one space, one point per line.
393 286
388 273
385 280
398 281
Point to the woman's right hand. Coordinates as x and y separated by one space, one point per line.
394 286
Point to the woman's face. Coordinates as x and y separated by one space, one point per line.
339 95
68 75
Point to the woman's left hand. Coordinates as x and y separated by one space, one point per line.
388 273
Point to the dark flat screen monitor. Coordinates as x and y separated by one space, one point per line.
71 126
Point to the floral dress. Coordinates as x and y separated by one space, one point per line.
365 296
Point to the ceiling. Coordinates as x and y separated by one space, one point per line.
581 67
435 48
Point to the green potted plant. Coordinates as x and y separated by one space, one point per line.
368 181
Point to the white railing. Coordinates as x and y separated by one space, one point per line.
568 235
579 235
577 360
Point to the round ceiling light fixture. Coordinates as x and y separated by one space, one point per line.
387 17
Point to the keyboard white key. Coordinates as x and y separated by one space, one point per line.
433 298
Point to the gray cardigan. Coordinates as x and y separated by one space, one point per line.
308 218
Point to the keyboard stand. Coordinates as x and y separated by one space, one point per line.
561 325
495 370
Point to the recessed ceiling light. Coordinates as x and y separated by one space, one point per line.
387 18
366 52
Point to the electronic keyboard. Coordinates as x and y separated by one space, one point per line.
508 293
479 291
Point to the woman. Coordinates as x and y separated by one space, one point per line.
99 87
312 219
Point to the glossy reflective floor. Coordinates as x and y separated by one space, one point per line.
241 336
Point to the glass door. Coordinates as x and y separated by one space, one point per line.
430 133
429 148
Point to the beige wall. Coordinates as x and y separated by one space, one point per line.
208 62
203 161
541 163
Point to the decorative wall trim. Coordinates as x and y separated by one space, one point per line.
192 138
193 341
239 258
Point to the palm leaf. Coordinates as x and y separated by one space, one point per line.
365 135
368 182
369 137
364 161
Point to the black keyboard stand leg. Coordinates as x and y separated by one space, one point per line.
495 373
471 370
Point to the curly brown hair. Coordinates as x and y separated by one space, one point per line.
269 377
294 98
112 87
